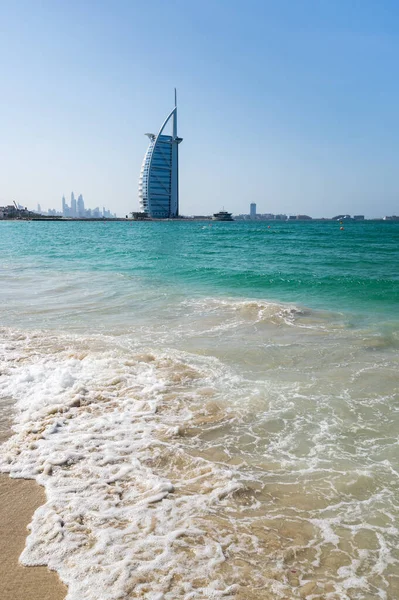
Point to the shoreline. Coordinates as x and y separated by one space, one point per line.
198 219
19 498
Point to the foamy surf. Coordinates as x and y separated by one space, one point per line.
90 428
170 474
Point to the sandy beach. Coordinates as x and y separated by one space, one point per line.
19 498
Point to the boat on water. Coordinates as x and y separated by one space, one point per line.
223 215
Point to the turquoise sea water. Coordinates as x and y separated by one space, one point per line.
212 407
315 264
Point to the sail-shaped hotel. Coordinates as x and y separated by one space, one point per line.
159 175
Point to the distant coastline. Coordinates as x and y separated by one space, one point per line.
393 219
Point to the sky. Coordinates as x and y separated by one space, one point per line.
289 104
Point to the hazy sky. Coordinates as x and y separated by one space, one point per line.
293 105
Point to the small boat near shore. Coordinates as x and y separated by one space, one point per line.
222 215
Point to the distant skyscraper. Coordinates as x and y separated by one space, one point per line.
73 205
159 175
252 210
64 207
81 206
39 208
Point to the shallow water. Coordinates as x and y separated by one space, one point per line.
213 411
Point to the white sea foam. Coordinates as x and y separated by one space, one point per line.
170 475
88 428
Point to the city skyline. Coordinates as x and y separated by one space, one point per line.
292 107
77 209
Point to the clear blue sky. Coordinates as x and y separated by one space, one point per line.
293 105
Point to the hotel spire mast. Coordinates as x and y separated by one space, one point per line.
175 118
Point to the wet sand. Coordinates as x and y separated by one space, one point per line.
19 499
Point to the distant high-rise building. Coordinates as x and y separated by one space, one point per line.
81 207
64 207
252 210
39 208
159 175
77 209
73 205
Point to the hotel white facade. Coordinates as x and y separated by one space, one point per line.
159 175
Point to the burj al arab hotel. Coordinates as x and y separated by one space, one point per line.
159 175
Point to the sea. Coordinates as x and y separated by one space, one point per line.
211 407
